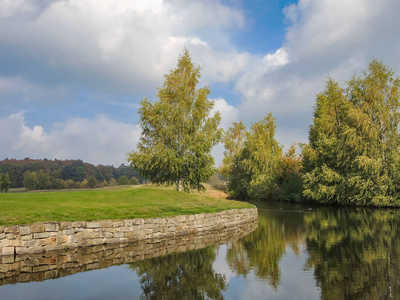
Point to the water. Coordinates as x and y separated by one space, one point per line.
297 252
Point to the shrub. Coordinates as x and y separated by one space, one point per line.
123 180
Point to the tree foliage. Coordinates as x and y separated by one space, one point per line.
30 181
251 162
178 132
353 154
5 182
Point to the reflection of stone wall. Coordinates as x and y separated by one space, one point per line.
54 264
41 237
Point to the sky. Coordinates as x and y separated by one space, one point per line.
72 72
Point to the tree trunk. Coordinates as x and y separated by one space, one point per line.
180 185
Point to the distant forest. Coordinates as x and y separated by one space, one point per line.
66 173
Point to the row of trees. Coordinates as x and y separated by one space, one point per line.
353 156
41 180
60 174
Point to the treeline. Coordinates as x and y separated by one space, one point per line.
353 155
59 174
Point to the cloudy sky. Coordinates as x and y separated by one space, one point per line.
72 72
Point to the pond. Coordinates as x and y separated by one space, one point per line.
296 252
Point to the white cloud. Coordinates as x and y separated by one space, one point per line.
98 141
229 113
120 46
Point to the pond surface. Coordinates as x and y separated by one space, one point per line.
297 252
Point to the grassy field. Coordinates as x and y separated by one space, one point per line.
108 203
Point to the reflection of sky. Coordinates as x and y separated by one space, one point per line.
295 283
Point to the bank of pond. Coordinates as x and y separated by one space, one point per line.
306 252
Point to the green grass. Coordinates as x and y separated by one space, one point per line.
108 203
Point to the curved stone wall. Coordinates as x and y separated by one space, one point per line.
60 263
51 236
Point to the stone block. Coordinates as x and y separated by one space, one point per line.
52 226
11 229
47 260
24 277
12 236
78 224
17 243
68 231
2 235
37 228
106 224
26 270
1 229
27 237
7 259
32 243
4 243
22 250
7 250
4 268
47 241
25 229
37 249
37 269
41 235
65 225
93 225
51 274
118 223
138 221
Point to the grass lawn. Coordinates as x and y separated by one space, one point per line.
108 203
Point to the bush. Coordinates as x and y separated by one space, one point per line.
123 180
57 184
134 181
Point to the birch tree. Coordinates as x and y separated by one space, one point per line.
178 131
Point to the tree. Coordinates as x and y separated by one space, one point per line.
354 150
44 180
178 132
234 139
30 180
5 182
253 165
92 182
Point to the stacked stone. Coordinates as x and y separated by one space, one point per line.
50 236
54 264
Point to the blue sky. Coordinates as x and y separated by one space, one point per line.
72 72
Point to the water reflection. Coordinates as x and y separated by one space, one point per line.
355 252
188 275
262 250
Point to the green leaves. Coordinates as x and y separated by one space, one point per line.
178 132
353 155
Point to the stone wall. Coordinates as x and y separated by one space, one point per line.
54 264
42 237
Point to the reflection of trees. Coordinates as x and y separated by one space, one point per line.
187 275
262 250
355 252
